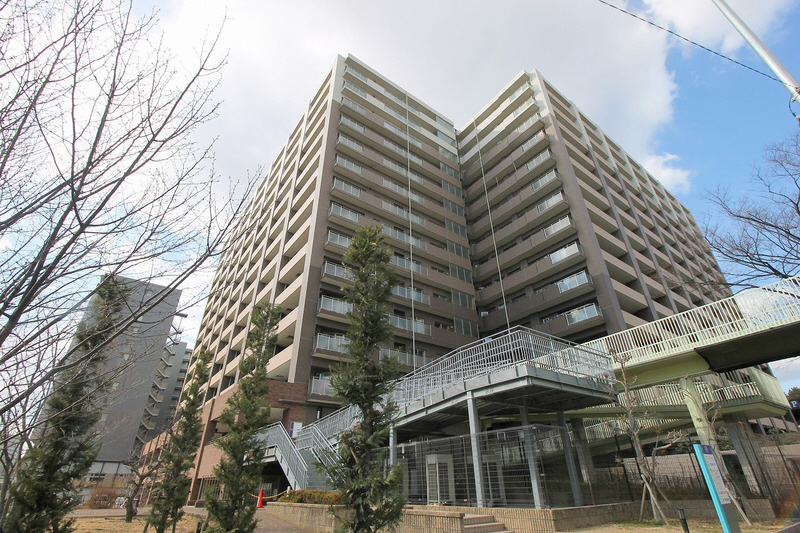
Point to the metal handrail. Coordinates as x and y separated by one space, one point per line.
517 345
748 312
296 467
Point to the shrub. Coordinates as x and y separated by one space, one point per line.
325 497
102 498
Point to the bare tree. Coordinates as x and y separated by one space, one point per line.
627 400
758 234
98 176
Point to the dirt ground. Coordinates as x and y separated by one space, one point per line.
118 525
700 526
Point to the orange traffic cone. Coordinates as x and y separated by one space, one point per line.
260 499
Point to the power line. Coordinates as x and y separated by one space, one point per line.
679 36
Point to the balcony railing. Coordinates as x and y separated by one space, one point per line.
411 294
332 343
418 326
334 305
320 385
405 358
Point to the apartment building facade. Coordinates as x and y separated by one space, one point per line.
528 215
147 364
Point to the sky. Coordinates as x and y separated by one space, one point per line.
694 120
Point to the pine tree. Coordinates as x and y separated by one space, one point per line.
173 484
369 488
45 489
245 415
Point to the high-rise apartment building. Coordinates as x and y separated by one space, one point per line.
147 365
528 215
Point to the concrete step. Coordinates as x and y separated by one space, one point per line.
483 524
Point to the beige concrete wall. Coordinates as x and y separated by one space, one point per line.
450 519
319 519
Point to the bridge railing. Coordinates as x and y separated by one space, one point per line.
747 312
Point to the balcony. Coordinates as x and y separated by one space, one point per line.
574 321
418 326
405 358
320 386
552 295
331 346
562 258
411 294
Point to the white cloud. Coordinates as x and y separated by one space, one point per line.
662 166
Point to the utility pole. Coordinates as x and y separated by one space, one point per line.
774 64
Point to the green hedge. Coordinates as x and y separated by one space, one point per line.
325 497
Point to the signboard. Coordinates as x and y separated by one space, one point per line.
716 486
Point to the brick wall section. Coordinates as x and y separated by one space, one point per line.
282 395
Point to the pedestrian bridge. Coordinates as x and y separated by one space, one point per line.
524 369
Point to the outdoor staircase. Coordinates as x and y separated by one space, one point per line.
483 523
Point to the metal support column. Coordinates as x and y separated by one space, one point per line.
392 446
532 458
574 482
748 451
698 413
477 462
582 445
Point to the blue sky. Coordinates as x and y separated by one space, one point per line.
694 120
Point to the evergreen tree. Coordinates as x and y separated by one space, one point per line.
172 487
369 488
45 488
245 415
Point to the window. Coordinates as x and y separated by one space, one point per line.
446 138
339 239
450 171
455 227
460 273
463 299
519 91
346 187
452 189
344 212
448 154
461 251
466 327
454 207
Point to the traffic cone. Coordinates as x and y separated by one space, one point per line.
260 499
